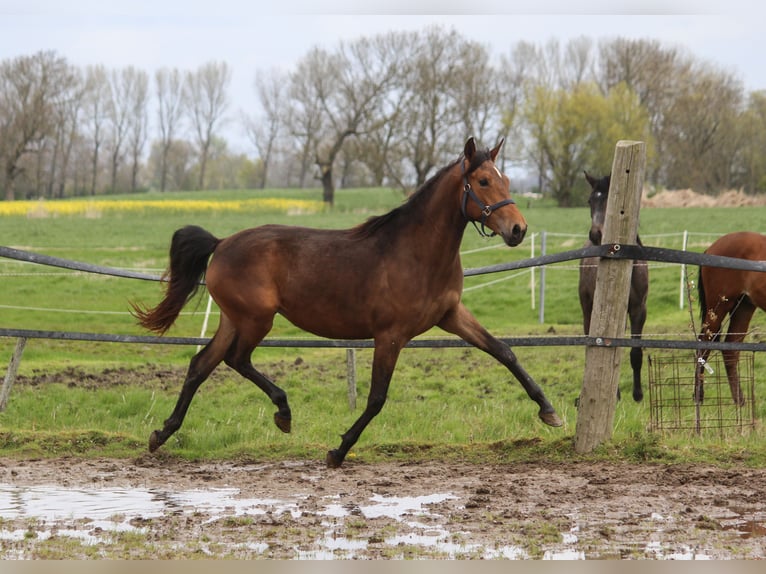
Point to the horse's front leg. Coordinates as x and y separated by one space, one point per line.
462 323
383 363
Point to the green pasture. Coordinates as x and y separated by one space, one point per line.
442 402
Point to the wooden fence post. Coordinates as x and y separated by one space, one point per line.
598 397
351 377
10 375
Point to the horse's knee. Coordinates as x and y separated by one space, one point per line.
375 404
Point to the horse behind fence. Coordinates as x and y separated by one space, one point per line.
639 281
735 293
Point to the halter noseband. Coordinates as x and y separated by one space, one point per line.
486 210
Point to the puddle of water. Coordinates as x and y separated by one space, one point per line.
52 503
398 506
55 503
747 528
106 511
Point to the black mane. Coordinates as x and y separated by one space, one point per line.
416 200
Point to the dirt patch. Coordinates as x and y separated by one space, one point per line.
161 507
690 198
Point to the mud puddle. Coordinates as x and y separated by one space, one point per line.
166 508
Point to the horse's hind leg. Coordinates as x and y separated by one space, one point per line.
239 359
200 367
738 325
709 331
462 323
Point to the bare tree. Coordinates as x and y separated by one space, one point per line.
29 88
123 85
67 123
698 129
432 120
348 88
169 86
304 115
271 89
654 72
511 77
206 101
138 122
97 110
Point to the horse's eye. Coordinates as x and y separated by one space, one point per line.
484 182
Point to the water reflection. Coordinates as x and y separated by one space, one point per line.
91 514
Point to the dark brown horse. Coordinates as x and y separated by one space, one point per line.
388 279
733 292
639 280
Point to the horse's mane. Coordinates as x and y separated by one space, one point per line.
416 200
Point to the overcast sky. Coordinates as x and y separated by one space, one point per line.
249 36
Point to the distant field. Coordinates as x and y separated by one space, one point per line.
133 232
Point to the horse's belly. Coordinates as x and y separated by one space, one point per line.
331 323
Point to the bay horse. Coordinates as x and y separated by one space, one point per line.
733 292
639 279
389 279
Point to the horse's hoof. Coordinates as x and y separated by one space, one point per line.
283 423
551 419
333 459
154 441
638 397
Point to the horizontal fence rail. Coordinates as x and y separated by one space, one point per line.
425 343
616 251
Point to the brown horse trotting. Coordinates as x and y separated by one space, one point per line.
639 280
733 292
388 279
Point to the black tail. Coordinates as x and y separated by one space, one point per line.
190 250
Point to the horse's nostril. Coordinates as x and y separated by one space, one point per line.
519 232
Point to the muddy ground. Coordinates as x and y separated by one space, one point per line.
161 507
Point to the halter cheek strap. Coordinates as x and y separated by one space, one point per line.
486 210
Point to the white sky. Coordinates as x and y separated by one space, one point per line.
262 34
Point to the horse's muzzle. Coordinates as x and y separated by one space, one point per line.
515 236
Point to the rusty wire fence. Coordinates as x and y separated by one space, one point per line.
672 401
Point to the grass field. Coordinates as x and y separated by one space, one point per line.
448 402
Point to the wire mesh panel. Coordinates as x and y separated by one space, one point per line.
671 395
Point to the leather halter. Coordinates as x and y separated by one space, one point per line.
486 210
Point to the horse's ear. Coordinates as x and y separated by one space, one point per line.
493 153
591 179
470 148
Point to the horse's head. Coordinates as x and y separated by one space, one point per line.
486 195
597 201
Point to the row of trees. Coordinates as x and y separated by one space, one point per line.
67 131
382 110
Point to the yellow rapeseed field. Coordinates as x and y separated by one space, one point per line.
94 207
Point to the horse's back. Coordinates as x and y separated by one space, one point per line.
731 283
333 283
742 244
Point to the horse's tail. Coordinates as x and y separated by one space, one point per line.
190 250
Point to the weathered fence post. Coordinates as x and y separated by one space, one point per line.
351 377
10 375
598 397
543 252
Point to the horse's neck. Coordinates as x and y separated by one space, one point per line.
438 220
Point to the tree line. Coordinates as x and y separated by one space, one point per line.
384 110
